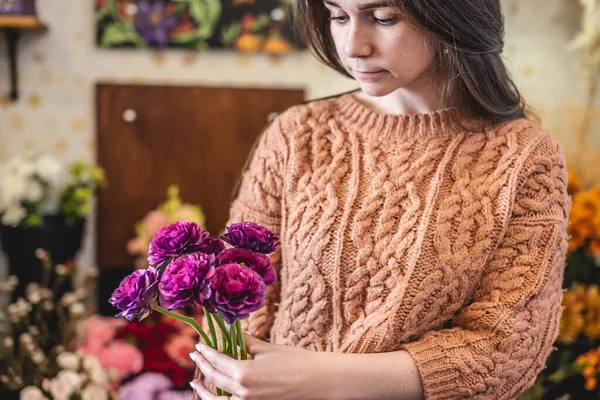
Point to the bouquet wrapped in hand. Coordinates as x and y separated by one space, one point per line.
188 268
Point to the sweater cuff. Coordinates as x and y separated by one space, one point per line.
439 379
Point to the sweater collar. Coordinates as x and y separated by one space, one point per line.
360 118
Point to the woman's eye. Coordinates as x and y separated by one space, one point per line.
339 20
386 21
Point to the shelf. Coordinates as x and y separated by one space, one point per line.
22 22
13 26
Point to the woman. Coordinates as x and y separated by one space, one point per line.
422 220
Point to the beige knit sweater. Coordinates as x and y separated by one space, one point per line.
406 232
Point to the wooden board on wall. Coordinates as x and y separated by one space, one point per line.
195 137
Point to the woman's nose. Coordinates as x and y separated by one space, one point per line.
357 43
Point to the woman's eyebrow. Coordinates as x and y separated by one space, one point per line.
366 6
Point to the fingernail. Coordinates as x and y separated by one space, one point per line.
193 385
199 348
194 357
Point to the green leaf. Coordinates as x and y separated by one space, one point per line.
101 14
181 7
230 33
201 45
206 13
260 22
115 34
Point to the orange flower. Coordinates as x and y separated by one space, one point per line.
277 45
248 43
590 384
574 183
572 321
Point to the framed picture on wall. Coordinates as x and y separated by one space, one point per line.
251 26
17 7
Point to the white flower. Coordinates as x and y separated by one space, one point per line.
13 215
12 189
94 393
91 363
38 357
48 168
20 167
68 298
68 360
8 342
99 376
33 191
46 384
65 383
34 297
47 305
46 293
34 330
77 309
81 293
61 388
31 393
62 270
25 338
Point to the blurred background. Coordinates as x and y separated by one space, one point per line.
124 116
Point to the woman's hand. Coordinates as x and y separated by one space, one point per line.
275 372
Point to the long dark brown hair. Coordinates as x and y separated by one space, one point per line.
469 39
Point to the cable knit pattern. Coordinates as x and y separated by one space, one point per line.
407 232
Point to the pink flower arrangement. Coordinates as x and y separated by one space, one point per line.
99 341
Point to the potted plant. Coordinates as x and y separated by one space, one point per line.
44 205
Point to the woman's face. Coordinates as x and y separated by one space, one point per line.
379 47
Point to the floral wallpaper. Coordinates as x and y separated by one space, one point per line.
242 25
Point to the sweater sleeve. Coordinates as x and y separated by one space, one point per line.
259 200
500 340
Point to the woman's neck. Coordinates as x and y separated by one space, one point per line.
421 98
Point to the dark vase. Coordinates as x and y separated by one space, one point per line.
9 394
61 240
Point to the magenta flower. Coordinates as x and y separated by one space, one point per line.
251 236
186 280
136 294
211 246
237 291
175 240
255 261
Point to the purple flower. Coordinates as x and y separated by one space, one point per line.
251 236
186 280
154 22
237 291
175 240
176 395
136 294
211 246
256 261
145 387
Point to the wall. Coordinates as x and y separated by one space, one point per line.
58 71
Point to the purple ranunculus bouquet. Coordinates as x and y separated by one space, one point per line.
188 268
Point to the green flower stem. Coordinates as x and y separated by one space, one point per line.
225 334
241 341
190 321
211 327
233 337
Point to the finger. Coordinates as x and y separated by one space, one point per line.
216 377
220 361
202 391
254 345
206 394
